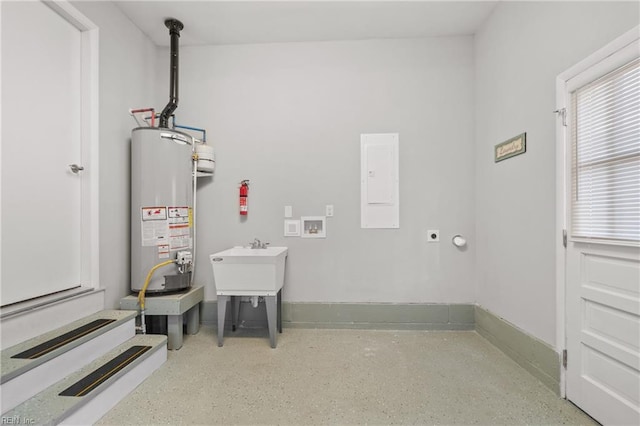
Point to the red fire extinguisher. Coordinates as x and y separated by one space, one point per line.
244 192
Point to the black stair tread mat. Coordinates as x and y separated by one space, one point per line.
85 385
53 344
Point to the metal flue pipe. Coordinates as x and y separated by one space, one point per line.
175 27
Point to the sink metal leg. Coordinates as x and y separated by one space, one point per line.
280 311
272 308
235 312
222 310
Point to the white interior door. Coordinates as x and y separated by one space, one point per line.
603 254
603 332
41 137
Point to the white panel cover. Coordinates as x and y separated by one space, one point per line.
379 180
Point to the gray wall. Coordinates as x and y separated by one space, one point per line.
127 74
519 52
289 118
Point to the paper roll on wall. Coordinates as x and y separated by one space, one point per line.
459 241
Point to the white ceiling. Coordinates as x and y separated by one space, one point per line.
238 22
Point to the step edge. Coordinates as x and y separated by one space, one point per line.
30 383
26 306
11 368
75 403
104 402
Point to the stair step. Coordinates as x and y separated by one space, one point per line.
64 339
89 393
31 366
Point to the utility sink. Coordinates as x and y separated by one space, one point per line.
244 271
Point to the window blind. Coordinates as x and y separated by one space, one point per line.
605 134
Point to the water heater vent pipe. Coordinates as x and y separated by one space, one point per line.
175 27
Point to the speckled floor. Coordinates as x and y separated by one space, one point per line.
342 377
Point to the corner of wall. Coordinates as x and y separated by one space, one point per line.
532 354
517 59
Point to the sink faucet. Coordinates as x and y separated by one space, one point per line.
257 244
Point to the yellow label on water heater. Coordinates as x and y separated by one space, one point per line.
190 217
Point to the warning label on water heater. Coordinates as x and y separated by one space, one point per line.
163 251
154 213
155 226
168 228
179 213
179 228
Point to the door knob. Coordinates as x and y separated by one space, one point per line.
75 168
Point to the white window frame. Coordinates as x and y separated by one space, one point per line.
614 55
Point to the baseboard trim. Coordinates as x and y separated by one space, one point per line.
532 354
381 316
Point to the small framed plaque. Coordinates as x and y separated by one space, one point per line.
511 148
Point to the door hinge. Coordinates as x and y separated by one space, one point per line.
563 113
564 238
564 358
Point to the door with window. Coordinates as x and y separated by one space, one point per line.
603 255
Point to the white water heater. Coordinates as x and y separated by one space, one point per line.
161 207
